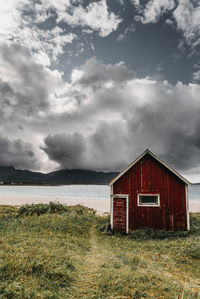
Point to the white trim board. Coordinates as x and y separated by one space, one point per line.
187 207
147 151
111 207
126 197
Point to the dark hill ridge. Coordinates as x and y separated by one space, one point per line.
8 174
78 176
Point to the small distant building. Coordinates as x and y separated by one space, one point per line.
149 193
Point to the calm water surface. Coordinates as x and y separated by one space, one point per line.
194 192
65 191
71 192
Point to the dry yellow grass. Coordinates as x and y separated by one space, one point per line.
63 254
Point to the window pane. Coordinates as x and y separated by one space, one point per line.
148 199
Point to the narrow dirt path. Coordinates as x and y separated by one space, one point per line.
88 277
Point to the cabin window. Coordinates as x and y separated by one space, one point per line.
148 200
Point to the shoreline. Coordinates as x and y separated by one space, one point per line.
194 206
100 205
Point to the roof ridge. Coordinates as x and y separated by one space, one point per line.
155 157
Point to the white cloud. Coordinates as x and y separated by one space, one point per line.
20 21
44 7
95 16
23 28
155 9
196 76
9 16
187 16
95 72
135 2
46 45
26 86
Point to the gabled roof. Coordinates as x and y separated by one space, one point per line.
147 151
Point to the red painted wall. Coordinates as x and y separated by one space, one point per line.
150 176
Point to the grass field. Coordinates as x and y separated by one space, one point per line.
52 251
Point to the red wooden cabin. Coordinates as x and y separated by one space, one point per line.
149 193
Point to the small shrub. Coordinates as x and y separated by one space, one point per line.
57 208
81 210
41 209
192 251
104 225
147 233
195 223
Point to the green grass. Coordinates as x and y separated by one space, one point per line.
53 251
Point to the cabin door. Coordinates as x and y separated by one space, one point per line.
120 213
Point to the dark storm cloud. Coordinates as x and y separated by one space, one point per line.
168 127
17 153
117 117
75 151
127 116
108 115
67 150
113 145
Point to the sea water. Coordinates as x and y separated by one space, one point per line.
88 192
69 191
63 191
91 196
194 192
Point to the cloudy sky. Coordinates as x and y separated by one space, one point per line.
91 84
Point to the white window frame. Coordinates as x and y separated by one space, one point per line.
148 204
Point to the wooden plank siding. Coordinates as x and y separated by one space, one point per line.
150 176
119 214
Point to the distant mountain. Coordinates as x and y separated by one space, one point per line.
8 174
